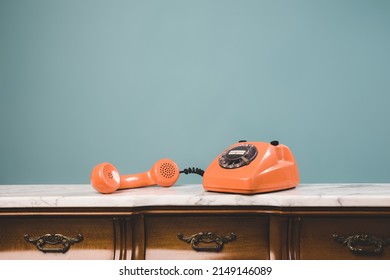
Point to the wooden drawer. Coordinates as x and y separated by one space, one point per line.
344 238
66 238
224 237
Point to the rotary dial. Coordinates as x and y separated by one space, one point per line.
238 156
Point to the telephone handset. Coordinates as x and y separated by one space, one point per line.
252 167
105 178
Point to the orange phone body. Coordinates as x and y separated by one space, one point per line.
252 167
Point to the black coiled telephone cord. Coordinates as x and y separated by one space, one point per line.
193 170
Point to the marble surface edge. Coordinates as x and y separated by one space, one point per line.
304 195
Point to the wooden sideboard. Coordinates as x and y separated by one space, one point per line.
185 222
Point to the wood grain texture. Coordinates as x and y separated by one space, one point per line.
316 237
98 237
162 240
152 232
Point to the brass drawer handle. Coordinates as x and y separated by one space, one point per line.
363 243
53 239
207 237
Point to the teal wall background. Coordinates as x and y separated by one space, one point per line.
130 82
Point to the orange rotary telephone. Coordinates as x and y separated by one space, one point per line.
245 168
252 167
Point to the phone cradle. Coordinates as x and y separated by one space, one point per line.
252 167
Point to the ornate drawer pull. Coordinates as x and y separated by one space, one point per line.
53 239
207 237
363 243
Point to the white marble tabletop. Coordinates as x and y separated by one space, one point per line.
304 195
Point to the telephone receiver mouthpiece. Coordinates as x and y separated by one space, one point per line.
105 178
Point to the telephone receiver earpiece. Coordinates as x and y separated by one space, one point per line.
105 178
